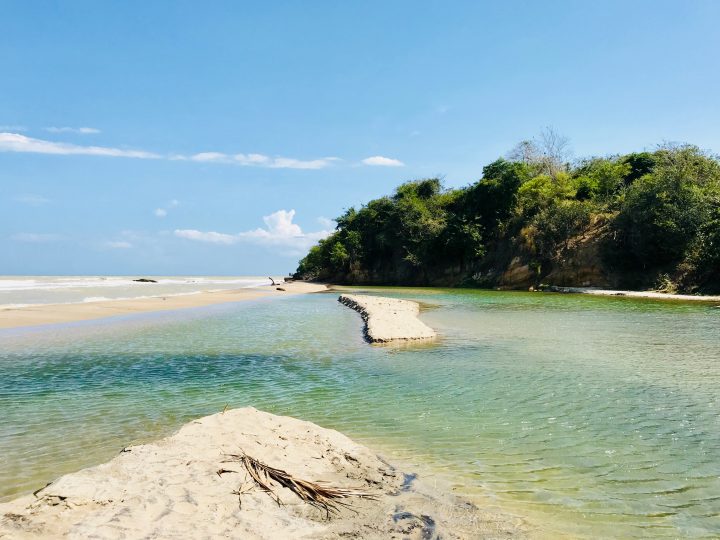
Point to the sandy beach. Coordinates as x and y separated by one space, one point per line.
59 313
635 294
188 485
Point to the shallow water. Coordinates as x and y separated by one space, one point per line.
589 416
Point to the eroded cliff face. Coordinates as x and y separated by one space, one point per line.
579 263
518 275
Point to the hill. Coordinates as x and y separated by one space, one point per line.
639 220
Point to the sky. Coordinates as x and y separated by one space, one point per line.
221 138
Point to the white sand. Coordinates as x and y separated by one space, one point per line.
171 489
635 294
388 319
59 313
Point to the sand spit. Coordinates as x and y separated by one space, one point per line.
634 294
60 313
388 319
184 487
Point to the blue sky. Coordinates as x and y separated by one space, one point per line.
219 137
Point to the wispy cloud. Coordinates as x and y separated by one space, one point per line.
381 161
211 237
119 244
13 128
14 142
35 238
79 130
31 200
162 211
279 232
259 160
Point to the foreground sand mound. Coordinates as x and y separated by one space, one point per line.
173 489
388 319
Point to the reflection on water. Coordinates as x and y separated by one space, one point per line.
592 416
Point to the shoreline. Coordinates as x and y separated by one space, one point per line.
632 294
43 314
189 484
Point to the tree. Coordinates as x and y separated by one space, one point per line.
555 225
600 178
658 220
548 154
491 200
640 164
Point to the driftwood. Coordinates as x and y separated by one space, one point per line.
324 497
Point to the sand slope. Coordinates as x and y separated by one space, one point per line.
171 489
388 319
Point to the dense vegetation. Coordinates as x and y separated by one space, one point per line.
647 219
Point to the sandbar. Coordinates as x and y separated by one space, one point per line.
59 313
388 319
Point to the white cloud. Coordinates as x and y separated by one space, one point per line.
162 212
120 244
32 200
259 160
34 238
14 142
79 130
279 232
381 161
288 163
209 156
211 237
251 159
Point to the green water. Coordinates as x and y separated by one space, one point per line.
591 417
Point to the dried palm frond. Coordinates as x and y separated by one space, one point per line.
314 493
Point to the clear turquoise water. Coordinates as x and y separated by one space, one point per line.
593 417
